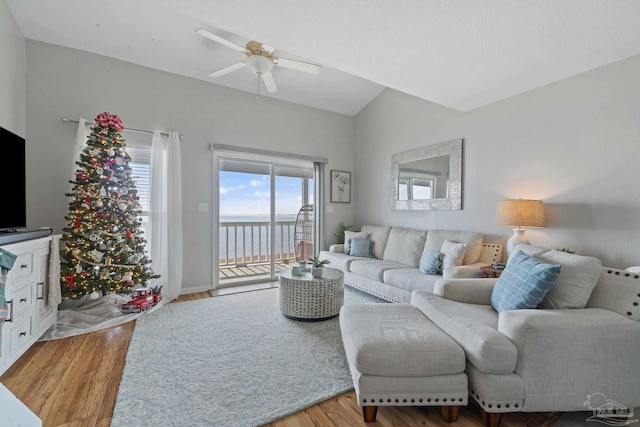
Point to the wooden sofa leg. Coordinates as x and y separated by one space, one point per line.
369 413
450 413
491 419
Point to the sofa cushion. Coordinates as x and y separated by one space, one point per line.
474 328
348 235
452 254
361 247
578 276
435 239
410 279
379 236
523 283
405 245
430 262
338 260
373 268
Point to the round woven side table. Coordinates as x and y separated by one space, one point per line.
307 298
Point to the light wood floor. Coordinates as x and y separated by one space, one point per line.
73 382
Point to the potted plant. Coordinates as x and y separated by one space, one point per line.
317 266
339 235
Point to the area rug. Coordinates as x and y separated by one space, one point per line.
229 361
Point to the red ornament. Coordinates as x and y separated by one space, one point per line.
128 234
77 223
70 279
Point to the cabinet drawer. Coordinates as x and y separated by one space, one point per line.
22 299
20 334
22 266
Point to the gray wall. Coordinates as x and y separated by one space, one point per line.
66 82
574 144
12 77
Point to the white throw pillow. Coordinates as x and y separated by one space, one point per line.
452 253
577 279
348 235
405 246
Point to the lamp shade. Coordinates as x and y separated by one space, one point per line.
520 213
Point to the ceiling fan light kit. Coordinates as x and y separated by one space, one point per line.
260 61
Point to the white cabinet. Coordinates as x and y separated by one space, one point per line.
31 309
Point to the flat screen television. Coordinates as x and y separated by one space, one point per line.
13 210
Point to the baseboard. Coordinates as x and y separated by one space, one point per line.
193 290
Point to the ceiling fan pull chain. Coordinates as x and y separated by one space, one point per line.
258 87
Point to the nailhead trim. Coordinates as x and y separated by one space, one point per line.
627 274
379 295
413 400
491 405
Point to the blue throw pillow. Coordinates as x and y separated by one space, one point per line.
361 247
523 283
430 262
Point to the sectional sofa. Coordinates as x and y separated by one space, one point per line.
391 272
577 350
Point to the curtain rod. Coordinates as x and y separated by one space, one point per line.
165 134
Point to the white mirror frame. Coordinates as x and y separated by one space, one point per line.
454 200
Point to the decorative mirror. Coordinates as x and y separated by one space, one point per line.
428 178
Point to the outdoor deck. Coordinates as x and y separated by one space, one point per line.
258 271
245 250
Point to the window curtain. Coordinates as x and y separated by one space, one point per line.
318 169
81 140
166 214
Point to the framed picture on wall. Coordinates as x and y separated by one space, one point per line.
340 187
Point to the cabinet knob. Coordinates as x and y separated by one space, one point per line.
23 300
22 334
24 266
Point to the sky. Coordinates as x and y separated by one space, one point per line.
249 194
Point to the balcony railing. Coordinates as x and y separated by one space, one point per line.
245 248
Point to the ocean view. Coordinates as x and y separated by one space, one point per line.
257 218
253 240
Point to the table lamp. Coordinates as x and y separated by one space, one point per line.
521 214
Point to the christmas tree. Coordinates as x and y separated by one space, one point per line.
104 246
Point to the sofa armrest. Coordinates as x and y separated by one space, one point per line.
574 352
469 271
339 247
471 291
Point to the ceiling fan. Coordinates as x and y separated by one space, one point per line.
259 59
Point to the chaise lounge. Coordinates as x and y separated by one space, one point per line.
544 359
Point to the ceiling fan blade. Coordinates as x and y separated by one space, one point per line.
226 70
217 38
297 65
269 83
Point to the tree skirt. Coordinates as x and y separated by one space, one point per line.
76 317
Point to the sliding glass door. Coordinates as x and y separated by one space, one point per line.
259 202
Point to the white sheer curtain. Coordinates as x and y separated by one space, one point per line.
81 140
166 213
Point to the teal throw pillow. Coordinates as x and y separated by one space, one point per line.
430 262
361 247
523 283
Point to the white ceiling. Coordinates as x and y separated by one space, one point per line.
462 54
